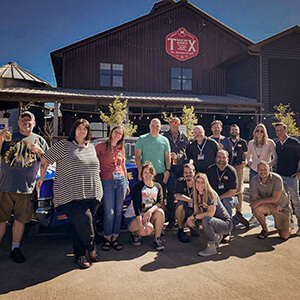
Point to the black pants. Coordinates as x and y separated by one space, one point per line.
80 213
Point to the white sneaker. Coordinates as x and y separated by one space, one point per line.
218 239
298 231
210 250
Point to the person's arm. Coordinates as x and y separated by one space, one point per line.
274 154
138 162
230 193
43 170
168 167
182 197
249 154
126 176
255 201
3 134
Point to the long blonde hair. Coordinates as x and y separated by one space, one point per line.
265 137
208 191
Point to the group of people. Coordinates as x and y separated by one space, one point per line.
193 183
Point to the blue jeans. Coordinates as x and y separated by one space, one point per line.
230 203
114 192
252 174
292 185
213 225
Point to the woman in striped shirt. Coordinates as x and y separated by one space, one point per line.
77 187
111 155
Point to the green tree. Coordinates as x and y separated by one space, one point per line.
166 118
285 114
189 119
118 111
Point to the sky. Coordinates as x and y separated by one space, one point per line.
31 29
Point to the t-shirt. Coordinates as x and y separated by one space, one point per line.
183 189
143 198
273 184
288 157
109 161
220 213
153 150
222 181
238 148
203 155
77 172
19 166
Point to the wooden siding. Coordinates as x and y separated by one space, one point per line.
147 67
243 78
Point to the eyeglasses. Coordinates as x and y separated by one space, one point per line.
260 131
175 123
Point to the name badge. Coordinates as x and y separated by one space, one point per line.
117 175
200 156
234 153
221 186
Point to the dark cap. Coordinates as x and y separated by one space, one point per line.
27 113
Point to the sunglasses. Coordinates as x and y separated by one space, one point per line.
260 131
175 123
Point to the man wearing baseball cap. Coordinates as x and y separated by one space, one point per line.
19 167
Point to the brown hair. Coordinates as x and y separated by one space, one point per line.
265 137
280 124
148 165
216 122
78 122
120 143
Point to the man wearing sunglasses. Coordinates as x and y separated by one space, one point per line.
178 142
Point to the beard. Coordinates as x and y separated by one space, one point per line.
234 136
221 164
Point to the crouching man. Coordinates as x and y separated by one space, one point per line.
268 197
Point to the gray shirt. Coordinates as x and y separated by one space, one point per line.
274 184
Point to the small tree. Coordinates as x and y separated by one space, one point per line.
166 118
189 119
118 111
287 116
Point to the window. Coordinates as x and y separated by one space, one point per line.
111 74
181 79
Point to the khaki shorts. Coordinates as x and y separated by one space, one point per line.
18 204
281 218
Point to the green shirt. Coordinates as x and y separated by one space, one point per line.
153 150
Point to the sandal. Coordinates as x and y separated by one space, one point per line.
94 256
263 234
106 245
117 245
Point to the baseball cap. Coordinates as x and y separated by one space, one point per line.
27 113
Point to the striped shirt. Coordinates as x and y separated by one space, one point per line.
77 172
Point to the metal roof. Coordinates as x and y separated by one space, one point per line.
13 71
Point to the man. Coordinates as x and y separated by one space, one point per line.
178 142
288 152
155 148
239 154
216 128
185 201
268 197
19 167
202 151
222 177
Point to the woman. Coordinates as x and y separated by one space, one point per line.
260 148
145 210
208 207
111 155
77 187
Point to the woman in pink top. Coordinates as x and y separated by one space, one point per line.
111 155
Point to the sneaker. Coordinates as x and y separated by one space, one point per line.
194 233
170 226
226 239
182 236
218 239
298 231
158 244
136 240
253 220
210 250
82 262
17 256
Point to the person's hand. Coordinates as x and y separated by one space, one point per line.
35 148
173 155
254 204
297 175
147 216
190 221
278 208
4 133
166 177
128 189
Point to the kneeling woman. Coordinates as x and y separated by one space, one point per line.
208 207
145 210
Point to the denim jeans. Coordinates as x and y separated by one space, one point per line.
80 213
292 185
230 203
171 185
114 192
213 225
252 174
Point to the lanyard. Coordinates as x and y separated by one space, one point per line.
234 145
218 174
201 148
190 191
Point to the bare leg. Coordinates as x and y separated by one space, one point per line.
284 234
17 231
157 220
259 213
180 215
